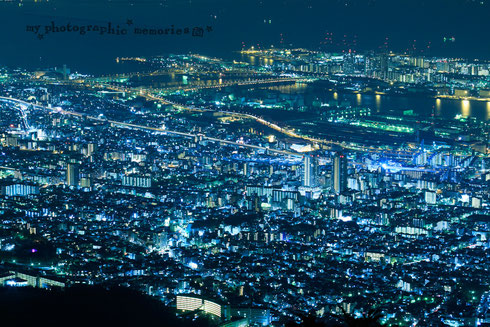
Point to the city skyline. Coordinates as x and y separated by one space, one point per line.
440 28
248 163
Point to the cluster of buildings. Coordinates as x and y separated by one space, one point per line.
401 73
227 219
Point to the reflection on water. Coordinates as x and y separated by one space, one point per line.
447 108
425 106
465 108
378 103
266 61
290 88
254 60
179 79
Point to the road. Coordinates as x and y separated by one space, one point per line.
148 128
274 126
286 131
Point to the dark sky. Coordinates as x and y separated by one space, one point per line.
354 24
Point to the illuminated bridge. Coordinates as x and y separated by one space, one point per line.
238 73
286 131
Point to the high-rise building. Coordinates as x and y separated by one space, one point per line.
90 149
246 169
339 173
65 72
136 181
384 66
19 189
72 174
85 181
310 174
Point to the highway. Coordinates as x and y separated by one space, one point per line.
286 131
8 168
274 126
262 121
202 136
147 128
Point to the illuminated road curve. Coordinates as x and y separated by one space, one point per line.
285 131
262 121
149 128
288 132
232 113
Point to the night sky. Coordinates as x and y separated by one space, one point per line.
415 26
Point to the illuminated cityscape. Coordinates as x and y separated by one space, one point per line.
270 186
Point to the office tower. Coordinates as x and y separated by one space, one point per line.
90 149
136 181
246 169
339 173
384 65
12 141
85 181
72 174
310 173
65 72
